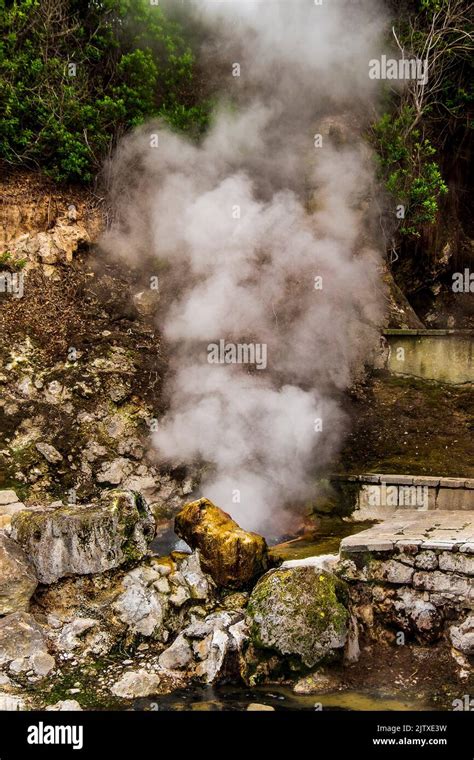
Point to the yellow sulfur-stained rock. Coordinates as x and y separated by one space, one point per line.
232 556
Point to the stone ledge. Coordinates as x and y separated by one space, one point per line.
425 530
426 332
431 481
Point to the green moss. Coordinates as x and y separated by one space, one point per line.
292 609
88 697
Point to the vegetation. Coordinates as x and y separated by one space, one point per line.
411 175
76 75
425 119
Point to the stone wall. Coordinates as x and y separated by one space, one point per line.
377 496
443 355
413 577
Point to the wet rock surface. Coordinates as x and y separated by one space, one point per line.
232 557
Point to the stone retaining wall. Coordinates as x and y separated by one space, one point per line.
377 496
413 576
442 355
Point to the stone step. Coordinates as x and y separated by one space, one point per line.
411 529
378 495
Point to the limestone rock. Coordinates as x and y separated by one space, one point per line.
198 583
42 663
233 557
9 504
389 570
299 612
443 583
456 563
51 454
11 703
20 638
146 302
462 636
17 577
141 606
85 539
138 683
426 560
208 649
8 496
177 656
114 472
69 636
418 614
69 705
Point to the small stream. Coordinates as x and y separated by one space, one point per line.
325 540
238 698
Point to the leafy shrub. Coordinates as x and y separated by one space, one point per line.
75 75
406 163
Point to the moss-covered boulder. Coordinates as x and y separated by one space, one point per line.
299 613
78 540
233 557
17 577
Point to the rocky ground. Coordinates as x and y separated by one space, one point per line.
81 362
90 618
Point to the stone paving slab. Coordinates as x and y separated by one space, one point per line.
428 530
432 481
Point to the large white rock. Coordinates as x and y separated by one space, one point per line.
21 639
177 656
462 636
70 705
206 648
136 683
78 540
11 703
456 563
17 577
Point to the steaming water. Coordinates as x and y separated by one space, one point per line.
263 234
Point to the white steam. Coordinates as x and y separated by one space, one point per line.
242 224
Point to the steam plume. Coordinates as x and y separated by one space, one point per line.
242 224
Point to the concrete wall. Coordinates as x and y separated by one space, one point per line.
443 355
376 497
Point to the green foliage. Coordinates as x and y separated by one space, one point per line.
74 75
411 175
8 262
423 126
431 6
